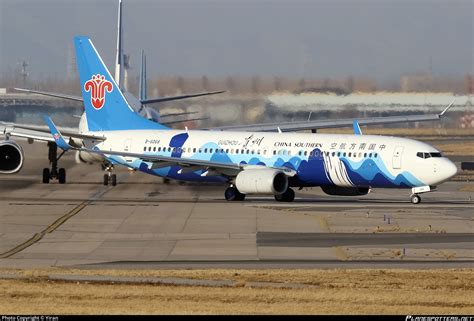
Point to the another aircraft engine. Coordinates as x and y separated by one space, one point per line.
88 158
261 181
11 157
345 191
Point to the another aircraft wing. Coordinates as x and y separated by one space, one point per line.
45 93
170 98
332 123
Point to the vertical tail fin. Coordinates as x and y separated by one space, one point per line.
142 81
119 53
105 106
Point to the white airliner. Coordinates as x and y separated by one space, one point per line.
247 162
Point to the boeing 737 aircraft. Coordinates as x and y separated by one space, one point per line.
247 162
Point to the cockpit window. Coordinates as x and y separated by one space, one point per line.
428 155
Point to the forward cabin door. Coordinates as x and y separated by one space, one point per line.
397 157
127 147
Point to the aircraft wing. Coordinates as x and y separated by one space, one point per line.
332 123
45 93
41 133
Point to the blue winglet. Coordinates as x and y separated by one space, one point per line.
58 138
355 125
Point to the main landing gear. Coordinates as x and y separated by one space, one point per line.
288 196
54 173
233 194
109 177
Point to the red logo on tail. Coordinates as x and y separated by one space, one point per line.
97 86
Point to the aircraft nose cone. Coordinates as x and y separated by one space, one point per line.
449 169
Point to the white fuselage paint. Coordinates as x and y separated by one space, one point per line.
397 155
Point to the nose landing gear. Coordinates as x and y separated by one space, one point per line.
415 199
54 173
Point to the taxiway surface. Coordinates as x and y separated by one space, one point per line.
144 223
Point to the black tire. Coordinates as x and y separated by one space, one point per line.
288 196
240 196
114 180
106 179
415 199
45 175
166 180
233 194
62 176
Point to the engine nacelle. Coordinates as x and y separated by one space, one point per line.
11 157
261 181
88 158
345 191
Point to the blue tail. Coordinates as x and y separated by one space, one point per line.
106 107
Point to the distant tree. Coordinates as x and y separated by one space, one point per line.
255 84
277 83
205 83
180 83
302 84
230 83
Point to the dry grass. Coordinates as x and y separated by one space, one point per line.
334 292
454 148
467 188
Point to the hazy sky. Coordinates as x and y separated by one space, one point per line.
331 38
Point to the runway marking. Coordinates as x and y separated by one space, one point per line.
53 226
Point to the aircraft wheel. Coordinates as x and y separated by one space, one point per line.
233 194
46 176
288 196
166 180
114 179
106 179
415 199
62 176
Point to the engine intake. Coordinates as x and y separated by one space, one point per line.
88 158
261 181
11 157
345 191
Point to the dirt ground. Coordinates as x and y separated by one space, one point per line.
337 291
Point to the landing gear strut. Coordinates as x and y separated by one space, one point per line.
54 173
110 177
288 196
233 194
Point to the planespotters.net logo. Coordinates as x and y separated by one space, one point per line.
439 318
